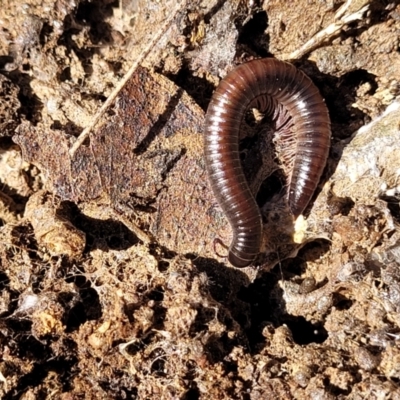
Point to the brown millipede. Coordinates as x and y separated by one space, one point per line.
292 101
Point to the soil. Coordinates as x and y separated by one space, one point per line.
113 278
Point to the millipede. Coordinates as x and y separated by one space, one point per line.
289 98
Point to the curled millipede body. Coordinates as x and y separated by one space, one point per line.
292 101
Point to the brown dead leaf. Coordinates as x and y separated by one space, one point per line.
146 159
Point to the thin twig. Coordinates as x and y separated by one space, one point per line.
144 53
327 33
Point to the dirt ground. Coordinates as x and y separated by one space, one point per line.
112 285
